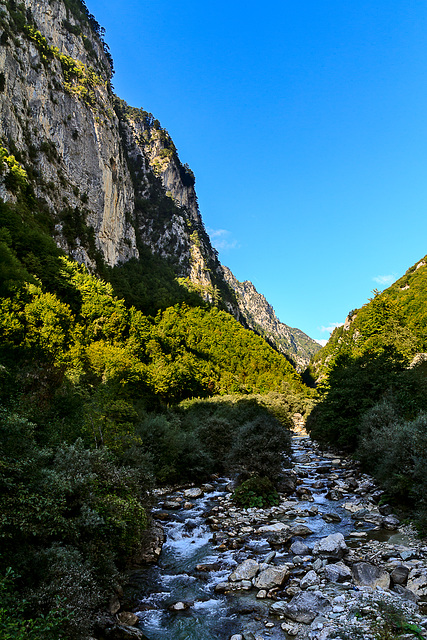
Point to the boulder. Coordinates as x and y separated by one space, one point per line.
405 594
417 583
304 607
338 572
122 632
272 576
180 606
245 571
196 492
273 528
299 548
368 575
391 522
331 517
301 530
172 504
128 618
334 494
309 580
280 538
114 604
332 547
399 575
287 483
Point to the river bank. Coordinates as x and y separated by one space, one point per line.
331 560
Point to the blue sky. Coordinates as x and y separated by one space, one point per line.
305 123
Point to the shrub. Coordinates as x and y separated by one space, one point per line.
67 577
259 447
256 492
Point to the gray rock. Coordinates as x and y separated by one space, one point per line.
417 583
391 522
114 604
368 575
338 572
172 504
277 527
193 493
408 554
180 606
280 538
333 547
399 575
304 607
122 632
334 494
301 530
208 488
287 483
405 594
245 571
270 557
309 580
273 576
331 517
299 548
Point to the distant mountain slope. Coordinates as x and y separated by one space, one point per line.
395 319
261 318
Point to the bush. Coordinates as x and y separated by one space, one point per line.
395 452
15 621
259 447
256 492
68 578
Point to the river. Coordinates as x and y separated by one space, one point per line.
183 598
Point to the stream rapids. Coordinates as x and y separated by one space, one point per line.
188 594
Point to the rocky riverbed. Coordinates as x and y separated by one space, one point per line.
330 561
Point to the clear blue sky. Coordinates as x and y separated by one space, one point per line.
305 123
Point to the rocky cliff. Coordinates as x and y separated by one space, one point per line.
259 315
106 177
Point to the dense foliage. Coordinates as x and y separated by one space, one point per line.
87 420
373 400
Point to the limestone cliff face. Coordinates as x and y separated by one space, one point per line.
57 117
167 215
107 176
261 318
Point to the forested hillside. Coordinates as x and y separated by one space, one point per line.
372 380
89 422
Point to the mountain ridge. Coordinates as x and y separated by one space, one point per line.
261 318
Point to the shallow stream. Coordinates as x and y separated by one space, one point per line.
190 542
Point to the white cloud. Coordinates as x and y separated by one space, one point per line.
331 327
221 239
322 342
385 280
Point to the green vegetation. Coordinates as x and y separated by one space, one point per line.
256 492
91 384
373 402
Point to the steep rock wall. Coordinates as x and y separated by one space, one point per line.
57 116
261 318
